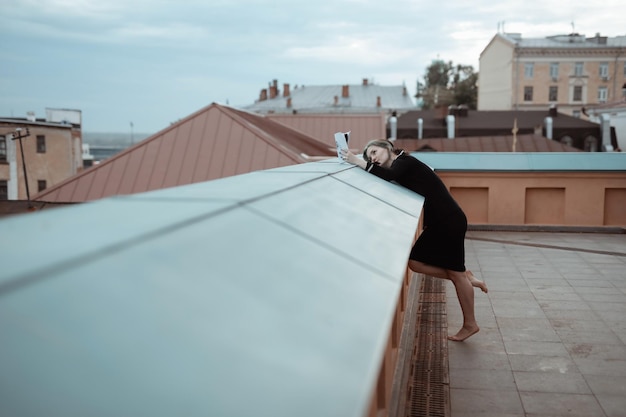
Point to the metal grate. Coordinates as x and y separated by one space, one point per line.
429 383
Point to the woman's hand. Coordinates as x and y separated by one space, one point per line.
351 158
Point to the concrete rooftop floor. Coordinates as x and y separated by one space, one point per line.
553 327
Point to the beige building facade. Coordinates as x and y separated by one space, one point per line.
570 72
52 153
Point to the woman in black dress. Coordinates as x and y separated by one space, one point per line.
440 249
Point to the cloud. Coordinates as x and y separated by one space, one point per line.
172 32
168 56
96 10
346 50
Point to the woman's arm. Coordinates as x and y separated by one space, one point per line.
351 158
399 169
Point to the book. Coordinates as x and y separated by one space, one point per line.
341 140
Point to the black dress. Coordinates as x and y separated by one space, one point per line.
442 241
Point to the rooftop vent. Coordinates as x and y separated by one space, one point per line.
553 111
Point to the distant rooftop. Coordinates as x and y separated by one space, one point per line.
572 40
348 98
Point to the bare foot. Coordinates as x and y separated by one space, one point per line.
476 282
464 333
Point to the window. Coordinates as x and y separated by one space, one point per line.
604 70
603 93
553 93
567 140
578 93
578 69
41 185
554 70
528 93
41 144
576 113
3 148
4 190
529 70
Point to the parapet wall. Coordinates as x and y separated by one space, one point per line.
551 189
538 198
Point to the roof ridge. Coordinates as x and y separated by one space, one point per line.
271 139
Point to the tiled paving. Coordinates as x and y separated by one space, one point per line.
553 327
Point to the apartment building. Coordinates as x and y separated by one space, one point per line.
49 151
570 72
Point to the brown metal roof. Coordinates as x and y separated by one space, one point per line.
524 143
496 120
363 127
215 142
497 123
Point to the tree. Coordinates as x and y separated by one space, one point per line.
446 84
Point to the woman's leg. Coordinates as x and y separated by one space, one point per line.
433 271
437 272
476 282
464 292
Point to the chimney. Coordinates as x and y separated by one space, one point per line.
378 101
336 101
420 128
289 102
365 81
286 91
273 91
404 91
450 123
548 123
605 130
263 95
345 91
393 127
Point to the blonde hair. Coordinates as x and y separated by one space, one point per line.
381 143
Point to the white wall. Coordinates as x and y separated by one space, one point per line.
495 84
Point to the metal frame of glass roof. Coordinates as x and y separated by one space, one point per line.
270 293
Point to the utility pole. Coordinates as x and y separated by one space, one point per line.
19 136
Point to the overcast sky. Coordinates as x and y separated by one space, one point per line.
152 62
